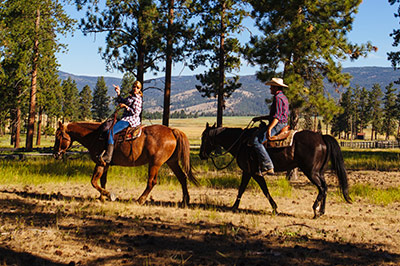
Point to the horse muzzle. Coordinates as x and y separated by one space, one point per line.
58 155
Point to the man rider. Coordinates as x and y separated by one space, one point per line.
278 119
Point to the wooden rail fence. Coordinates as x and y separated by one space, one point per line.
377 144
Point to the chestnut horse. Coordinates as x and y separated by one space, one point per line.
310 152
156 145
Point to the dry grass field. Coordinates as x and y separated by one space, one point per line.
50 215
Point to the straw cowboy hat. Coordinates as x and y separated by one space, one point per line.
276 82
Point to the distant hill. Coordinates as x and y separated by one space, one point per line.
249 100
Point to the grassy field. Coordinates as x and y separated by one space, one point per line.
53 201
77 168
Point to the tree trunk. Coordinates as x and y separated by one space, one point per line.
168 65
32 101
221 102
39 127
17 139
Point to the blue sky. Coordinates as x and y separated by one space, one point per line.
374 22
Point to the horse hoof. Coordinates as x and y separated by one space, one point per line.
112 196
101 199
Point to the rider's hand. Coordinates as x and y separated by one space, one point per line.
117 89
122 105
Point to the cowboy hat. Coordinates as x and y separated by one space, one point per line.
276 82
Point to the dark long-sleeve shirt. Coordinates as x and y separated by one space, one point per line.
280 108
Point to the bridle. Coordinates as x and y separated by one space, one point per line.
211 138
64 136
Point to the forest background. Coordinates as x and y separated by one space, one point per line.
140 35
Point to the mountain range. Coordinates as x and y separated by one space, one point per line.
248 100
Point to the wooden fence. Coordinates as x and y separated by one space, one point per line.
377 144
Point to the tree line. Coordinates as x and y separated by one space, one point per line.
374 108
303 42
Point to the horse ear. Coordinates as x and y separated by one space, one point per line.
215 125
60 125
207 125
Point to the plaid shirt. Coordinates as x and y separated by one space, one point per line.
280 108
132 113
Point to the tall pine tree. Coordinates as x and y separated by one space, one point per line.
389 116
70 107
374 103
101 101
307 38
85 103
132 43
216 46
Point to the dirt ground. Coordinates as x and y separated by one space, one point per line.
65 225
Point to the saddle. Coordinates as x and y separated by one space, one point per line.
128 134
283 139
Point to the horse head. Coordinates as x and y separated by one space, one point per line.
207 144
62 142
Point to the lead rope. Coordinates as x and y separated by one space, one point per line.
228 150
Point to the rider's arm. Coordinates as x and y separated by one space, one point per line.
258 118
271 125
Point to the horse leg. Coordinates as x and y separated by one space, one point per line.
174 165
98 173
243 184
263 185
103 178
319 182
153 171
323 200
103 181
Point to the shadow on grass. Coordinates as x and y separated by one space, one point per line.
166 204
11 257
151 240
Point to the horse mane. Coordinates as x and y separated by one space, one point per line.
84 127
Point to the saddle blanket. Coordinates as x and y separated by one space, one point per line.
129 133
286 142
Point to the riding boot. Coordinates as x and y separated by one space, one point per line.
106 157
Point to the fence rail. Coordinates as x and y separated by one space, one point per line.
377 144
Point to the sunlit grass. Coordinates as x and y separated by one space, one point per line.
375 195
372 159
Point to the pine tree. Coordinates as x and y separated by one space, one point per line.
343 121
394 57
362 113
177 42
217 47
397 114
38 22
389 117
70 107
101 101
132 43
49 91
374 103
307 38
85 103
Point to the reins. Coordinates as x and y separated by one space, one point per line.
230 148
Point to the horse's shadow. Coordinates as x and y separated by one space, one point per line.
167 204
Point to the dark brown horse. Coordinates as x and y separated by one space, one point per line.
155 146
310 152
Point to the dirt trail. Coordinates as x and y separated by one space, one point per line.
56 225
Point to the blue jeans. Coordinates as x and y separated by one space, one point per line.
263 156
119 126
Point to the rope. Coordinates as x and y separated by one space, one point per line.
213 156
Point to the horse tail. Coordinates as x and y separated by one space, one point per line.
183 150
336 156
